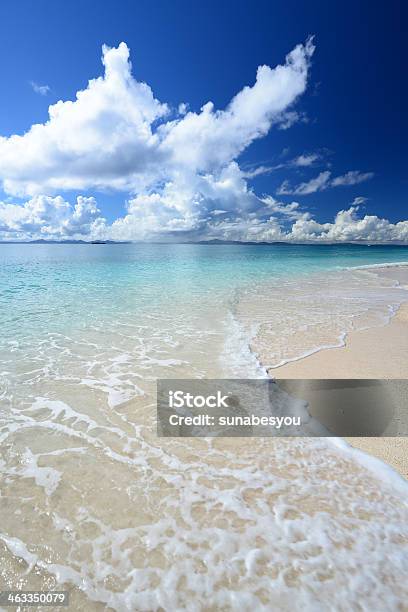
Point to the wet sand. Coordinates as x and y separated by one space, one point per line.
380 352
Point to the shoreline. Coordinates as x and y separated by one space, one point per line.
372 353
376 352
388 269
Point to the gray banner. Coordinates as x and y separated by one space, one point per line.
266 407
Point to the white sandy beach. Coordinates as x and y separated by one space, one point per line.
380 352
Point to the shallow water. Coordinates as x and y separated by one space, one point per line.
92 500
296 317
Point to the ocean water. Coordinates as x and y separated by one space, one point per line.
93 501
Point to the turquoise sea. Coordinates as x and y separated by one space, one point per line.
92 501
57 287
161 296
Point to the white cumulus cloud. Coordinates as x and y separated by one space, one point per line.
349 227
49 217
178 167
102 139
154 217
116 134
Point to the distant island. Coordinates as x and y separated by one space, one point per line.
212 242
42 241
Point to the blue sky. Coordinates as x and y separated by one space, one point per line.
346 142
